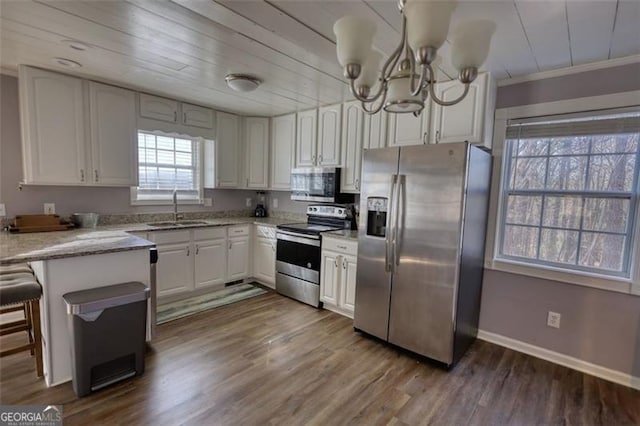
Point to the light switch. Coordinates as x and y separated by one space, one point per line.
3 210
208 202
49 208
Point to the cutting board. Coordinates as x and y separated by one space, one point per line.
39 223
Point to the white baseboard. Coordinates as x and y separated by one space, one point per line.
561 359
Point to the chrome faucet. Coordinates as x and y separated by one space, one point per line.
176 216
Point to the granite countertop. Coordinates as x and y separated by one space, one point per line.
346 234
16 248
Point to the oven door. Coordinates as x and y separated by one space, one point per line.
298 267
298 255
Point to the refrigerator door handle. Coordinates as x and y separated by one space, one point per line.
388 263
399 212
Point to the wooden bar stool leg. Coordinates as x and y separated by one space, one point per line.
28 318
37 334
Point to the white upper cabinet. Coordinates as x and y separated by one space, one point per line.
406 129
329 135
227 152
352 138
306 140
158 108
256 143
113 135
197 116
53 127
375 130
283 143
470 120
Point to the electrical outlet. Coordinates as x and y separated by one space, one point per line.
3 210
249 202
49 208
553 319
208 202
275 203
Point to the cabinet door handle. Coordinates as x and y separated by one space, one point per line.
425 138
437 136
230 245
344 264
175 116
197 249
335 261
358 184
96 175
184 118
313 159
341 247
247 181
188 251
81 175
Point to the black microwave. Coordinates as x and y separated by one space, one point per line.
318 184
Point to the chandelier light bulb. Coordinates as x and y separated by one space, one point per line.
354 36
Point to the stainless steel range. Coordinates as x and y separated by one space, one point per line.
298 251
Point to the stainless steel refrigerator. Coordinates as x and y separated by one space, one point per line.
423 214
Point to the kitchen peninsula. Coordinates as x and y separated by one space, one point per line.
81 259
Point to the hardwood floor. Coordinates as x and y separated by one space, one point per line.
270 360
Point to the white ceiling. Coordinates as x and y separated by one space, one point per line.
184 48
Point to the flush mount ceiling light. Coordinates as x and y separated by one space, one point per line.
68 63
76 45
242 82
425 27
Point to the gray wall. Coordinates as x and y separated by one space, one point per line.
604 81
70 199
597 326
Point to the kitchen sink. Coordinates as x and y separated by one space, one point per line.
178 223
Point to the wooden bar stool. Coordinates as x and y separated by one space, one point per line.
20 291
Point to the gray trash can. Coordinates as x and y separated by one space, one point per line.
108 329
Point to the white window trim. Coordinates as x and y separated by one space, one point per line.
492 259
133 193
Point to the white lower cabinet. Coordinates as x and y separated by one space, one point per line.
264 255
210 257
174 271
238 253
338 274
190 260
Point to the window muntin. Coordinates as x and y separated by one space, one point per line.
569 197
167 163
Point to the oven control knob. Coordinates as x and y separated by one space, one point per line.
309 265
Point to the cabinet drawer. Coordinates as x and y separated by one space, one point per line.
239 231
209 233
340 245
169 237
263 231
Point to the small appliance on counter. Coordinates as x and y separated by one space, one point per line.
261 211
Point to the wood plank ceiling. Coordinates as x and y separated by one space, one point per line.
184 48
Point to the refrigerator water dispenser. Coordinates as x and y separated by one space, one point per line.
377 216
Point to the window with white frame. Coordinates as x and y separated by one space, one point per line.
167 163
570 191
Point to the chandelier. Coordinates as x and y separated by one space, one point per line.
401 87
